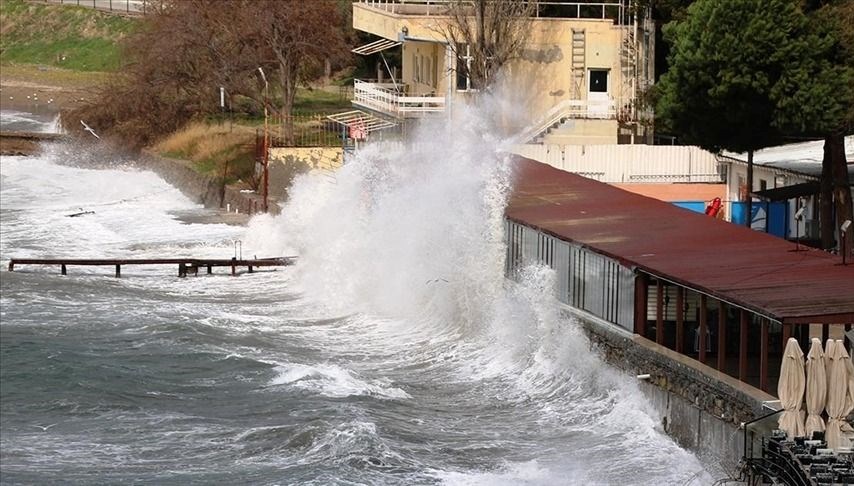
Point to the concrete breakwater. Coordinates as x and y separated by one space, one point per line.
25 143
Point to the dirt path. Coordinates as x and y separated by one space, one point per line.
44 90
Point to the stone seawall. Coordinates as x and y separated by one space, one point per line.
701 408
204 189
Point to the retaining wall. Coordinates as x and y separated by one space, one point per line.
204 189
701 408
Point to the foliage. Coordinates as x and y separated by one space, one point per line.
192 50
292 40
69 37
743 72
213 149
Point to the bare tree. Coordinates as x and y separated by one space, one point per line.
185 50
486 34
294 40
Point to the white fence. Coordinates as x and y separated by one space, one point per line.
386 98
629 163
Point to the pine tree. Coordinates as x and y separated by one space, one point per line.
745 73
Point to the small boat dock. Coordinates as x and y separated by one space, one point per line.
186 266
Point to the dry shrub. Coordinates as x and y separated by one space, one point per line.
183 140
218 143
201 141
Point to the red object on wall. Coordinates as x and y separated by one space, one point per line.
714 207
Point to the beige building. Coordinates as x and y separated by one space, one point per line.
577 80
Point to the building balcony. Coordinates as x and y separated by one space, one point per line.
389 99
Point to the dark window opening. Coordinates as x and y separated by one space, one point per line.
598 81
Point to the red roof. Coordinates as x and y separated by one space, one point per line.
748 268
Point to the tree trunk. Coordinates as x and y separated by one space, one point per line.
748 220
841 189
288 75
480 61
825 213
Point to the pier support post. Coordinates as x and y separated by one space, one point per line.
182 269
118 271
11 266
233 270
250 268
63 270
210 269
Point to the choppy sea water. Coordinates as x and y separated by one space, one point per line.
394 352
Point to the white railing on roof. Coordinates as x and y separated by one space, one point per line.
603 110
387 98
592 9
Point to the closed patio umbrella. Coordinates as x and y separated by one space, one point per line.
790 389
816 391
838 401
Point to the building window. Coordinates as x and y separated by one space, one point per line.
464 59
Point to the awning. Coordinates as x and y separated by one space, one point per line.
360 123
376 46
790 192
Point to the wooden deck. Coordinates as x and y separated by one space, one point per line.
186 266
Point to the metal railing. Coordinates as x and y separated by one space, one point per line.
308 130
604 110
596 9
387 98
126 7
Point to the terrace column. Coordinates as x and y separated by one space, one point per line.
787 333
721 336
763 356
742 345
641 290
704 316
680 318
659 312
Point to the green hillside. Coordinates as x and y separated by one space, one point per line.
69 37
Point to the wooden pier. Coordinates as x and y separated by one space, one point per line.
186 266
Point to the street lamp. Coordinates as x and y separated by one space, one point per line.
266 142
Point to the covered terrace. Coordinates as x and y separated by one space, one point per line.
725 295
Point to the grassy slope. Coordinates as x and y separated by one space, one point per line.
69 37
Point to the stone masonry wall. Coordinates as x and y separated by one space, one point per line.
698 406
203 189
